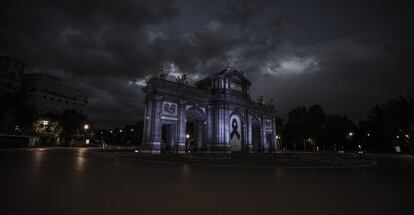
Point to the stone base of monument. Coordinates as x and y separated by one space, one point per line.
249 149
181 148
151 147
218 148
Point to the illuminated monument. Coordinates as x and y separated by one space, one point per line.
216 115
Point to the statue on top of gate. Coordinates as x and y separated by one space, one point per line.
181 80
159 75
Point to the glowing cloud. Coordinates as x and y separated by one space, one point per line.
291 65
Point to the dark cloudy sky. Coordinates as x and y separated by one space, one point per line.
345 55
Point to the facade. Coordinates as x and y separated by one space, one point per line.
49 94
11 75
217 115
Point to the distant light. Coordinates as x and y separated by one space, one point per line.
86 126
407 136
398 137
187 136
368 134
120 130
136 150
277 137
110 131
132 129
351 134
87 141
44 122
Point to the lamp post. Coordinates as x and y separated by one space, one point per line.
85 128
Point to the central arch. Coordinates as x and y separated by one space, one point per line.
195 120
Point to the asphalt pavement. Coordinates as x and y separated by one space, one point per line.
81 181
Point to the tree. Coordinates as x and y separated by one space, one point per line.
336 132
16 116
72 123
391 123
304 127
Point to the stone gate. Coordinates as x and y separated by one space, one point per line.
216 115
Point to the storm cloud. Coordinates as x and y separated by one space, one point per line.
345 55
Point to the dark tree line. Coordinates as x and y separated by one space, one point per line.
128 135
387 126
16 116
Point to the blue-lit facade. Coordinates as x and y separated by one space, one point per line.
216 115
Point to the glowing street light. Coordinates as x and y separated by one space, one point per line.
120 131
86 126
368 134
44 122
187 136
407 136
350 134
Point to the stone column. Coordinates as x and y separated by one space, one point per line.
147 120
219 144
152 136
181 131
249 136
264 144
274 142
208 128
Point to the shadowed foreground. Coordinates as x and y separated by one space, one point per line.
80 181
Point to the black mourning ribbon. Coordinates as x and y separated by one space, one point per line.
234 126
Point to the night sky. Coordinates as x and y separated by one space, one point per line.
345 55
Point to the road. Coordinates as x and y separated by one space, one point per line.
83 181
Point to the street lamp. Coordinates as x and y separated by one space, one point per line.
44 122
86 127
187 136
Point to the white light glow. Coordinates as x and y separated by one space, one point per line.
291 65
44 122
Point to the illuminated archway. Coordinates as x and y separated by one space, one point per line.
195 120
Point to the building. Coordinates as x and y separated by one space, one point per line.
11 75
49 94
217 115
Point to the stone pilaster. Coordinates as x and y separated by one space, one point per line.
152 136
181 134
